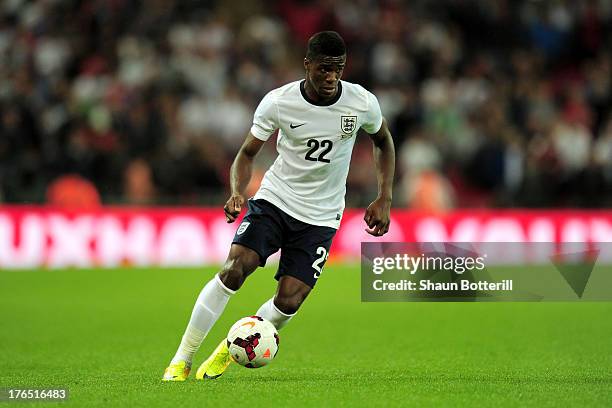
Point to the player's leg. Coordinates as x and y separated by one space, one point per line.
261 231
290 294
301 264
211 302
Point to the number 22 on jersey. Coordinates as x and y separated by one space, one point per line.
318 151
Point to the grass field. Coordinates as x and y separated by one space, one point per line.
107 336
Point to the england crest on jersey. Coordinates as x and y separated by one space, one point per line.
243 227
348 124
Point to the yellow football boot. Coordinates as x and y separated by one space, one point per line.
177 371
216 364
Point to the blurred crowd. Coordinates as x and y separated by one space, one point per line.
491 103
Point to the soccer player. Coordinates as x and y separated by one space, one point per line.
299 205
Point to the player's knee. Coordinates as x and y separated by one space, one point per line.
234 273
289 304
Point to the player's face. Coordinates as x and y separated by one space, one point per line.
323 75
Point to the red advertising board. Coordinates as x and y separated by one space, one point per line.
42 236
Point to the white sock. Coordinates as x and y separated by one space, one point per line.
207 309
270 312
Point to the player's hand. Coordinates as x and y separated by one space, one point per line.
232 207
377 217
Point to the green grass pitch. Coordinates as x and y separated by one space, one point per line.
107 336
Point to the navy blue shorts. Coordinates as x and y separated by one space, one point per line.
304 247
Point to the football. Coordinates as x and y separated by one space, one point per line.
252 342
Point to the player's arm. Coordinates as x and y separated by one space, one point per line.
240 175
377 215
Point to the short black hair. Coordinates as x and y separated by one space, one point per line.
325 43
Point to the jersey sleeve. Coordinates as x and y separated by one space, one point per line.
373 117
265 119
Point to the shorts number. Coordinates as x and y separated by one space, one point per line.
314 146
318 263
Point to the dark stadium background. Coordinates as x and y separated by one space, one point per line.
491 103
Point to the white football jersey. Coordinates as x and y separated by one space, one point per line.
315 142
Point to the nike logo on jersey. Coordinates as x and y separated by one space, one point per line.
292 126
